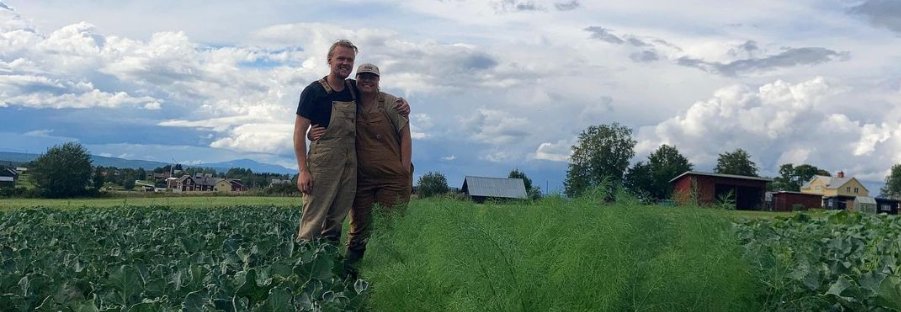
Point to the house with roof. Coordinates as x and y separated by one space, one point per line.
840 192
8 177
230 186
705 188
196 183
480 189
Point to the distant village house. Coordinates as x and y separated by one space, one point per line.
480 189
8 177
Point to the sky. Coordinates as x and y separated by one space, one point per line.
494 85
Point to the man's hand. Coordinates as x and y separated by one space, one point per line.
402 107
305 182
316 132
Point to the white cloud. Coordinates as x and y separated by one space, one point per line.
779 122
39 133
495 127
558 151
449 158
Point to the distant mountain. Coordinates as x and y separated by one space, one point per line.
253 165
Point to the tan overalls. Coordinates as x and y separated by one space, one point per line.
381 178
332 162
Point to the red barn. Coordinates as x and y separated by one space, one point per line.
786 201
709 188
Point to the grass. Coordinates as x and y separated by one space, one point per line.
557 255
170 201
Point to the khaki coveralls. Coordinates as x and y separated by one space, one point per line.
381 178
332 162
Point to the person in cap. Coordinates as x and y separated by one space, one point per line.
384 168
328 172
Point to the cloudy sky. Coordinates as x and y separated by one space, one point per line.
494 84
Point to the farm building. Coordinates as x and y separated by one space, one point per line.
230 185
865 204
481 188
709 188
838 202
8 177
839 185
788 201
887 205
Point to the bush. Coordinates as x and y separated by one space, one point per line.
432 184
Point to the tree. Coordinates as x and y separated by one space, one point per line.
432 184
791 178
533 192
602 153
639 180
63 171
651 180
98 179
737 162
666 163
892 187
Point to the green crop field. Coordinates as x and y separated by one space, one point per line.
444 255
168 201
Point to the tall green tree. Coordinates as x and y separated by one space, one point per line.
602 154
432 183
63 171
533 192
98 179
791 178
892 187
639 180
737 162
650 180
666 163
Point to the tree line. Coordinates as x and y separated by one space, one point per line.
66 171
601 158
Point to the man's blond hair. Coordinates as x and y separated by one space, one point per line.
343 43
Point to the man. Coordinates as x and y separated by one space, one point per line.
327 175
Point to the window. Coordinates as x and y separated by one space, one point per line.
856 190
848 189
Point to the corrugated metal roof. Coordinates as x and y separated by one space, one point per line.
719 175
494 187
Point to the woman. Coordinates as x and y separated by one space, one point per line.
384 170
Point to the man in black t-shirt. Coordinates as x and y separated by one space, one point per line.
328 174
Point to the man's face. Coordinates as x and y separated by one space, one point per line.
368 83
342 61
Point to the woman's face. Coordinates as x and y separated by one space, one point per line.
368 83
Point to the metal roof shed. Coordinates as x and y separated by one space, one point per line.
482 188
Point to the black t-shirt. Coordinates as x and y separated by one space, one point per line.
316 104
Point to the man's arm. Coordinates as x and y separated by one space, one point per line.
402 107
304 179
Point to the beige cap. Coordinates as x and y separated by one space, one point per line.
368 68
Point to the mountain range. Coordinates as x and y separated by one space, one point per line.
255 166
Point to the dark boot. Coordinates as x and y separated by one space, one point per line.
352 260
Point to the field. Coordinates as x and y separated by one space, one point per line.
445 255
167 201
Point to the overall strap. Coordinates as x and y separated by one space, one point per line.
324 83
353 93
